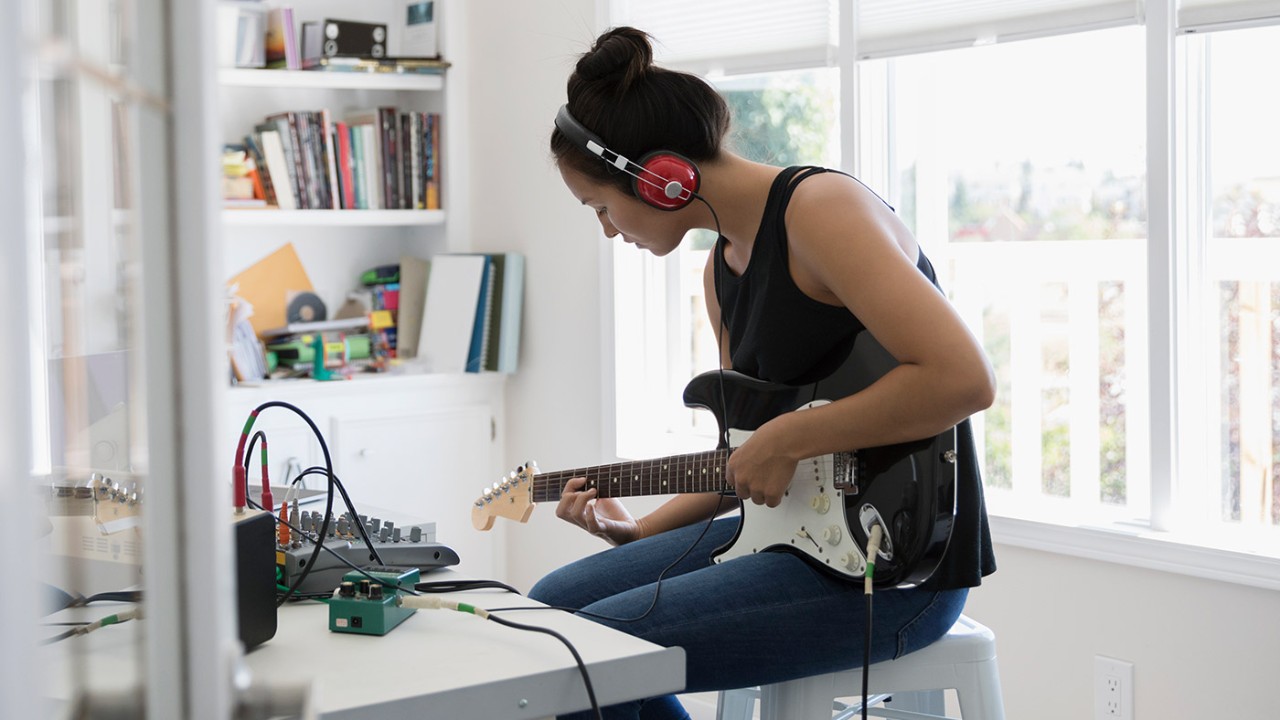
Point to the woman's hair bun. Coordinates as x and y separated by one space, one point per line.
620 56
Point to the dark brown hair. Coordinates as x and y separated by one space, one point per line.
617 92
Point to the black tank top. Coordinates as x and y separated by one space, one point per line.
779 334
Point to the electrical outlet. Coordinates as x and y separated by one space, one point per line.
1112 689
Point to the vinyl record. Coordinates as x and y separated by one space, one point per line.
305 307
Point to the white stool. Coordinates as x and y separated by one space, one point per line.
964 660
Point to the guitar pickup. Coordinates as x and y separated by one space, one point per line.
844 472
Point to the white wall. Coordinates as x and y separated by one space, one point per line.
1199 647
521 55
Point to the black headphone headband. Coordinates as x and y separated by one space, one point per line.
581 136
663 191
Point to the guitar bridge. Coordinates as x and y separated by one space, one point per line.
844 472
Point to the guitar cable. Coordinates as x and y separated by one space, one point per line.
868 583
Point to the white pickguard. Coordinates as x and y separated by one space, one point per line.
810 519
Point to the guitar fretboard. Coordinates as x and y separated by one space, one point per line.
694 473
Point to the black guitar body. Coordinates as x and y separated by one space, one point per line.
907 488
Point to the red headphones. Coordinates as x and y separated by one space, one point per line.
662 179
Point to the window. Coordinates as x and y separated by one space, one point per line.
1032 205
1237 233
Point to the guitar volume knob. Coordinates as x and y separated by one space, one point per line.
820 503
832 535
852 562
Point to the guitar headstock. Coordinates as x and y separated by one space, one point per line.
511 498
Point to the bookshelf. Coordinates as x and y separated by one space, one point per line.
231 77
421 442
271 217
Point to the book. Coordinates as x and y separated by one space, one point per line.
480 327
432 175
449 311
388 155
330 159
502 345
492 337
373 167
346 180
253 142
413 295
279 169
418 36
281 42
510 312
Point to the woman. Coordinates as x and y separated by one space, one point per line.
806 259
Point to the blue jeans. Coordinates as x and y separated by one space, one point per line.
755 620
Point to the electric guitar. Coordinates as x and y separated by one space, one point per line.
828 510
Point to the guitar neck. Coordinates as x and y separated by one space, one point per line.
694 473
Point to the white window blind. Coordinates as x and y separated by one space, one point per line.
1202 15
899 27
694 34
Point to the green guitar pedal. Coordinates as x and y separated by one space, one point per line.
368 607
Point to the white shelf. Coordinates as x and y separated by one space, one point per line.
254 217
329 80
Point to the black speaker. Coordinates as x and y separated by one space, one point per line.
348 38
255 577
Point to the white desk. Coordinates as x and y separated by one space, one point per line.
437 664
451 665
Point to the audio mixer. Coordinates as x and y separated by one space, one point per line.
411 546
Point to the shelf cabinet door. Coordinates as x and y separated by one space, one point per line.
423 467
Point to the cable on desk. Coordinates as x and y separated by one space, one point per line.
114 619
430 602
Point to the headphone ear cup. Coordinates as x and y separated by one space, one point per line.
660 169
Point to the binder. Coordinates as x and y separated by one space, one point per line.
453 298
480 327
509 315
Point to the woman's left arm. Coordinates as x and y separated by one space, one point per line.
847 248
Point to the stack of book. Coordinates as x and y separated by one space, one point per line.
241 182
382 158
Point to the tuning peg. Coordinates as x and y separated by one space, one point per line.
533 465
488 493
